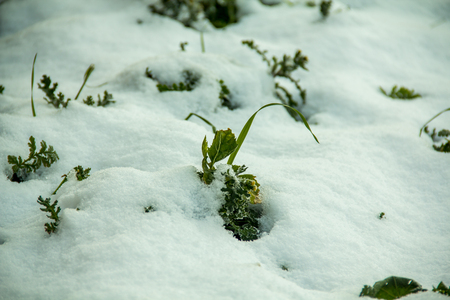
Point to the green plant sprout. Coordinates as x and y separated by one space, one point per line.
32 86
325 8
45 157
441 289
88 73
54 213
225 95
183 46
219 12
240 190
106 100
391 288
444 133
203 119
149 209
2 88
402 93
381 216
80 174
50 93
190 81
283 68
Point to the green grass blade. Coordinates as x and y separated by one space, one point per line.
203 119
202 41
247 126
421 129
86 77
32 84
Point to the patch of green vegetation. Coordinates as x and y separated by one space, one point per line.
391 288
225 96
402 93
183 46
54 213
284 268
55 100
80 174
105 101
283 68
381 216
149 209
219 12
44 157
325 8
436 137
2 88
190 81
442 289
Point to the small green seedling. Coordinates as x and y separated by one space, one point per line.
45 157
190 81
441 289
225 95
382 215
80 174
183 46
240 190
50 92
149 209
106 100
88 73
2 88
203 119
284 268
403 93
325 8
32 86
54 213
283 68
391 288
444 133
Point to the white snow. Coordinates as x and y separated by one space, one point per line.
320 201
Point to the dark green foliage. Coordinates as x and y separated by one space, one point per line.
236 213
284 268
391 288
149 74
89 101
2 88
190 81
148 209
53 210
50 93
283 68
219 12
311 3
325 8
106 100
382 215
225 96
240 190
45 157
442 289
444 133
402 93
182 46
80 174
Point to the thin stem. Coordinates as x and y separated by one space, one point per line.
86 77
202 41
420 132
32 84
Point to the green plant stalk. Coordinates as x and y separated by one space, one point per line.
421 129
203 119
202 41
86 77
247 126
32 84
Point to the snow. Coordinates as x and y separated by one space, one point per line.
320 201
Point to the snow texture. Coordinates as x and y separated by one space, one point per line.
321 202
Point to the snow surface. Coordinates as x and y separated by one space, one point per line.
320 201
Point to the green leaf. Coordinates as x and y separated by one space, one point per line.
224 144
205 148
247 126
391 288
88 73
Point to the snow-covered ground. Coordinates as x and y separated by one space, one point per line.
321 202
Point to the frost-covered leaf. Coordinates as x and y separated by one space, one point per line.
391 288
223 145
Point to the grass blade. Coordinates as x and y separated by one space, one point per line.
32 84
202 41
86 77
247 126
421 129
203 119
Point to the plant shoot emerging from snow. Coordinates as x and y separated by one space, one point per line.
54 213
402 93
80 175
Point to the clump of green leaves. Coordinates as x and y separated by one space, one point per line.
44 157
402 93
183 46
381 216
190 81
283 68
436 137
240 190
55 100
225 96
219 12
80 174
325 8
54 213
149 209
2 88
391 288
106 100
442 289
